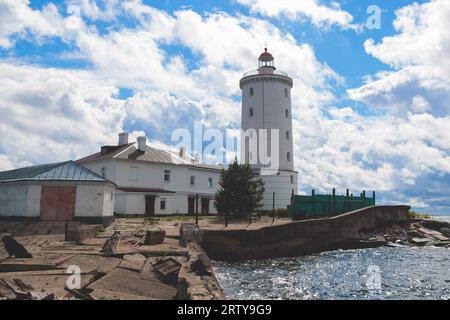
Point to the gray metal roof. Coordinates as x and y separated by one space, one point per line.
149 154
61 171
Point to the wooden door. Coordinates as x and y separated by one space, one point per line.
205 206
191 206
149 206
58 203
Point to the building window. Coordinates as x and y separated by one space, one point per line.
292 179
250 112
166 175
210 182
192 181
251 91
104 172
112 195
162 204
286 112
134 173
288 135
286 92
288 156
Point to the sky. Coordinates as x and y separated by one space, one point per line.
370 101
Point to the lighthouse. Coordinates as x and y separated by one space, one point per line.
266 123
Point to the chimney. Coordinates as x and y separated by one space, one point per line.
181 152
197 158
141 143
123 138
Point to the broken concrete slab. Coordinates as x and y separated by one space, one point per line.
133 262
88 262
130 282
101 294
12 265
51 283
433 233
149 251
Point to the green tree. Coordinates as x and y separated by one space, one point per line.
240 192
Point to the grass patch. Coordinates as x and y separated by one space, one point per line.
182 218
418 215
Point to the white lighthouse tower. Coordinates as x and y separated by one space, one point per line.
266 115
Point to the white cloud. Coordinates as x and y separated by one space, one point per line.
419 53
320 15
51 115
17 18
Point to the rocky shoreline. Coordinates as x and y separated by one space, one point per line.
413 232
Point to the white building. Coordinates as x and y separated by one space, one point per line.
266 104
154 181
62 191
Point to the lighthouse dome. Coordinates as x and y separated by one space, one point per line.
266 60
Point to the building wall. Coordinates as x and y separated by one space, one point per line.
151 176
94 201
13 200
134 203
34 200
282 186
24 200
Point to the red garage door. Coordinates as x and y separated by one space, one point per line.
58 203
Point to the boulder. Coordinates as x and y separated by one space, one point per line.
154 236
80 233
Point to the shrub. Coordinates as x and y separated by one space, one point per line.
281 213
418 215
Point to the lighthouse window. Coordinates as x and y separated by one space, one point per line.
286 113
288 156
250 112
286 92
287 135
251 91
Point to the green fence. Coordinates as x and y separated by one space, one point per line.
320 206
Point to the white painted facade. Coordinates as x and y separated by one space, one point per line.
266 104
148 179
23 199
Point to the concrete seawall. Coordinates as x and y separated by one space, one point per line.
301 237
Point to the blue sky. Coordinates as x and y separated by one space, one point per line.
370 105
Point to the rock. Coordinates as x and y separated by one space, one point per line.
154 236
435 224
445 231
80 233
444 244
189 232
202 266
395 245
420 241
435 234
